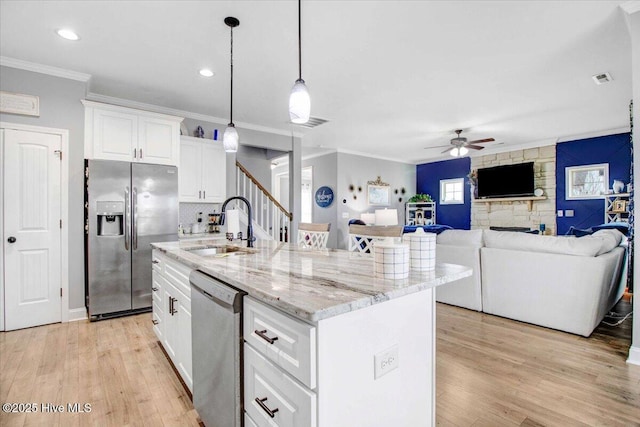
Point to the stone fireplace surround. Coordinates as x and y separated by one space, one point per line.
517 214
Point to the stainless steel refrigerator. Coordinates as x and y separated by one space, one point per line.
128 206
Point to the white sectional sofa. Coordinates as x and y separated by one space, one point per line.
461 247
560 282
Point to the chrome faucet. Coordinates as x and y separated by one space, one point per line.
250 237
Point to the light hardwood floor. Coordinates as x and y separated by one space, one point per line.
490 372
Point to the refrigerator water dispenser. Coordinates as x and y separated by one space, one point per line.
110 218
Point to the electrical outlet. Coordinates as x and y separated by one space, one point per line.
568 212
385 362
345 215
560 213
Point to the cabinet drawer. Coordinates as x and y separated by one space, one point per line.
157 317
178 275
288 342
156 287
290 403
157 261
248 422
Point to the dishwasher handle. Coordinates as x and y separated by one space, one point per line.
222 294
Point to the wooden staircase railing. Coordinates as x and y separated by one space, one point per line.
268 212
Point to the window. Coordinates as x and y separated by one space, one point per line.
586 182
452 191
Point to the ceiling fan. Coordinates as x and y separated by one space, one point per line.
460 145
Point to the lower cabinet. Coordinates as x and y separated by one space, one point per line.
341 371
270 392
172 312
279 368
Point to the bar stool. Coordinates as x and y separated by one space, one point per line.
313 236
363 237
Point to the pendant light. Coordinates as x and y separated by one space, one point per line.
230 137
299 100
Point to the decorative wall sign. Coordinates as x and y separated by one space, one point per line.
17 103
324 196
378 193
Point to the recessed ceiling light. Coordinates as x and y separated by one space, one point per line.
205 72
68 34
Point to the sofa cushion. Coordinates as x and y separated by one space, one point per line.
460 238
593 245
610 239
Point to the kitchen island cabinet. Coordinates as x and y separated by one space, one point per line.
325 342
172 312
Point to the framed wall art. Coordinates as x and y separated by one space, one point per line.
378 193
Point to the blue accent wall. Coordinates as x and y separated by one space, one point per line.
428 176
612 149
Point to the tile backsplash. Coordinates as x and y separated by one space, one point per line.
189 212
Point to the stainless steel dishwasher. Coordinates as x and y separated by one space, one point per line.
216 330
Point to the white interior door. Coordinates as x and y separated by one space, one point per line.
31 229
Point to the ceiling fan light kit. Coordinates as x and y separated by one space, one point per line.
299 99
461 146
459 151
231 137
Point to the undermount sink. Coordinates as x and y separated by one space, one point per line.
219 251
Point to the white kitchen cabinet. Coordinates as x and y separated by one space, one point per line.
202 172
360 362
172 312
118 133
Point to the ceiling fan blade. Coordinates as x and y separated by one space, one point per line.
480 141
474 147
448 149
437 146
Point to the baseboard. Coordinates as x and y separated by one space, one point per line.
634 356
76 314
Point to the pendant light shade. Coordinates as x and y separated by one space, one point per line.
299 99
299 103
231 137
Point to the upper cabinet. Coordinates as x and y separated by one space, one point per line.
126 134
203 171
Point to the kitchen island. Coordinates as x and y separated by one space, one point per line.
352 349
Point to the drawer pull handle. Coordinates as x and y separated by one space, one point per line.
154 321
173 301
154 289
262 334
155 261
270 412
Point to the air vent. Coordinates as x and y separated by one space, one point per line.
602 78
313 122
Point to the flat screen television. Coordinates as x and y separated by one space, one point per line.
506 181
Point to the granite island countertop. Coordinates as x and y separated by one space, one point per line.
309 284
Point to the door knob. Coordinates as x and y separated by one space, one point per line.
11 239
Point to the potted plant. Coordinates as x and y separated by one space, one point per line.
420 198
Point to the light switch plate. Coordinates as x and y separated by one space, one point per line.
568 212
385 362
560 213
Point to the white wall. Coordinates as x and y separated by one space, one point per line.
358 170
340 170
60 107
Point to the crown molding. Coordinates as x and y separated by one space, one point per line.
595 134
374 156
631 7
96 97
44 69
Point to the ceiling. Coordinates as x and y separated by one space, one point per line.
392 77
